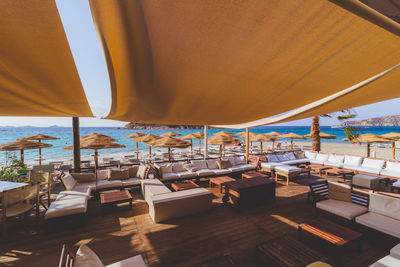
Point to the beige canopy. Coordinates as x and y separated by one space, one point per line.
261 138
22 144
39 138
38 76
190 137
369 138
225 133
273 134
222 140
168 67
169 142
97 136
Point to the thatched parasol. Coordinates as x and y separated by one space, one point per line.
39 138
170 134
221 140
273 134
22 144
136 135
274 139
225 133
292 136
261 138
200 135
169 142
395 137
369 138
147 138
190 137
98 136
96 144
323 135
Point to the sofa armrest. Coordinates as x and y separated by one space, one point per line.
319 191
359 198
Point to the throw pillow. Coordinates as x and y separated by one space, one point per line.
200 164
84 177
86 257
133 171
102 174
224 164
68 181
272 158
189 167
178 167
232 161
167 168
118 174
299 154
142 172
339 191
290 156
240 160
212 164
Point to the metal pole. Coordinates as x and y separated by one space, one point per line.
205 141
247 144
77 145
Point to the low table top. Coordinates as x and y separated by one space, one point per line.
221 180
287 251
184 186
331 232
115 196
5 185
318 167
252 174
336 170
247 183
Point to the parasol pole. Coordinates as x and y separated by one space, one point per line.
273 145
291 144
40 153
394 150
220 151
368 150
95 164
200 145
169 154
76 146
247 145
205 141
22 155
261 149
191 146
150 153
137 150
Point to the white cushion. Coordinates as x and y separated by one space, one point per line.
322 157
108 184
131 181
135 261
190 167
152 187
72 193
368 170
85 257
387 261
287 169
373 164
232 161
141 171
200 164
393 166
246 166
204 172
240 160
352 161
66 205
166 168
333 164
235 169
290 156
85 187
102 174
335 159
178 167
68 181
212 164
281 157
385 205
395 251
343 209
310 155
397 183
186 174
381 223
169 176
296 161
270 165
314 161
272 158
391 173
221 171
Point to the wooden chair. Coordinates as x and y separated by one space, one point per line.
18 201
44 180
67 257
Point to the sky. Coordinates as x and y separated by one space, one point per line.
88 56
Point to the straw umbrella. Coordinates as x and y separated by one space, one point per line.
273 134
98 137
292 136
323 135
147 138
369 138
169 142
225 133
200 135
221 140
261 138
96 143
395 137
22 145
170 134
190 137
136 135
39 138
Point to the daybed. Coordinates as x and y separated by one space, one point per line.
391 260
288 158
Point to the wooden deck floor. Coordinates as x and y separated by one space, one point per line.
123 233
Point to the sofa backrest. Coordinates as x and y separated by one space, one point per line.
352 160
272 158
310 155
322 157
290 156
240 160
373 163
336 158
200 164
384 205
212 164
393 166
281 157
178 167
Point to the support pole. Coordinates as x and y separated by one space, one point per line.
368 150
261 148
169 154
22 155
191 146
96 164
394 150
291 144
220 152
40 153
205 141
247 145
77 145
137 150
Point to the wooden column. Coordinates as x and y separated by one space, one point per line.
394 150
40 153
220 151
169 154
22 156
368 150
96 163
247 145
291 144
77 144
150 153
205 141
137 150
261 148
191 146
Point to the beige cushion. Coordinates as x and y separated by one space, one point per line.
212 164
395 251
68 181
200 164
152 187
131 181
341 208
66 205
118 174
133 171
84 177
85 187
189 167
85 257
387 261
135 261
179 167
167 168
339 191
385 205
224 164
232 161
141 173
380 222
240 160
108 184
102 174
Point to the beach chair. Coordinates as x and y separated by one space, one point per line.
44 180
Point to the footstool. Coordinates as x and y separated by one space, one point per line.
289 172
367 181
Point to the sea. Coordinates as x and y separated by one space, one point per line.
56 152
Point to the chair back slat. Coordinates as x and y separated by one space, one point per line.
20 194
39 177
319 190
360 198
67 257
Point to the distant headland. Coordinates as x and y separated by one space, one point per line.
145 126
379 121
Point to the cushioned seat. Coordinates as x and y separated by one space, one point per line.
367 181
392 169
335 161
333 164
352 162
204 172
310 155
381 223
320 159
297 161
235 169
152 187
85 187
186 174
287 169
221 171
395 251
74 193
368 170
131 181
315 161
371 166
343 209
270 165
246 166
387 261
135 261
66 205
169 176
390 173
103 184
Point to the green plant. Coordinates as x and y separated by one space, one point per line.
14 171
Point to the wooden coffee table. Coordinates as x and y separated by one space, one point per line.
339 172
252 174
286 251
317 168
334 234
220 181
115 197
184 185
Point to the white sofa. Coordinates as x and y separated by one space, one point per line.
391 260
392 169
373 166
165 204
288 158
383 214
335 161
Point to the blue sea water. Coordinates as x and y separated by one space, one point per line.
9 134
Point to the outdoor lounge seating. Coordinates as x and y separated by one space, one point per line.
275 160
391 260
289 172
366 181
373 166
391 170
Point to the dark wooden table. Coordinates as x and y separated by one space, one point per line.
252 174
184 185
286 251
115 197
318 168
220 181
337 171
223 261
249 192
334 234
